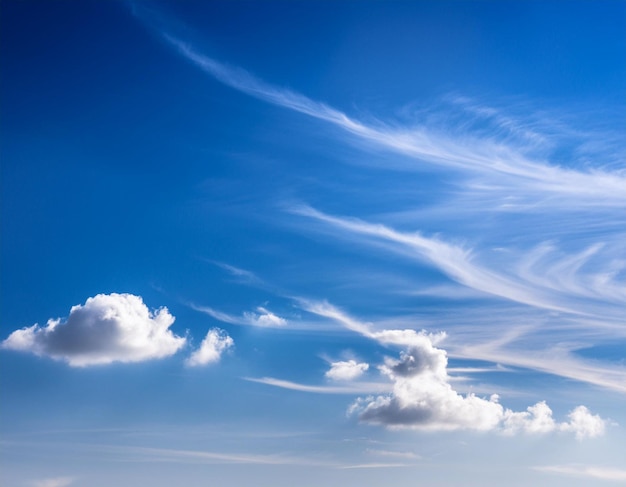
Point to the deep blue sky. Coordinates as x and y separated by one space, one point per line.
334 186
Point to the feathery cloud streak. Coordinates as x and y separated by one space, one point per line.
454 261
485 156
263 318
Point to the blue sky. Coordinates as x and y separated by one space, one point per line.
312 243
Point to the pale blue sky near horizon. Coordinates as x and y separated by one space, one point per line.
310 243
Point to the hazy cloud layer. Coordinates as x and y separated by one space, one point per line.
54 482
107 328
211 349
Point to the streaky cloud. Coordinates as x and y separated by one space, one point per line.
585 471
505 165
263 318
562 293
350 389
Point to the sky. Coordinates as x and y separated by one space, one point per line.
310 243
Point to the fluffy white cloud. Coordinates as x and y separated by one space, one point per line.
536 419
107 328
347 370
584 424
423 398
214 344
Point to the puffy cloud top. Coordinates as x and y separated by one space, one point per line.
107 328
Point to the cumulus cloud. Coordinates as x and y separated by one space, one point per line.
423 398
107 328
346 370
214 344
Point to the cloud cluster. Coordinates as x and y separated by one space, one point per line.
346 370
423 398
214 344
107 328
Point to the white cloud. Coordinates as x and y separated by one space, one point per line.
346 370
584 424
423 398
107 328
536 419
54 482
214 344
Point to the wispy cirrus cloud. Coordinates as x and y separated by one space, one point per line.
501 163
559 287
262 317
349 389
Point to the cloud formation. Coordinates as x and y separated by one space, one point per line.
501 163
262 318
423 398
346 370
214 344
107 328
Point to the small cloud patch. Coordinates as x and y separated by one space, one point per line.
347 370
214 344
